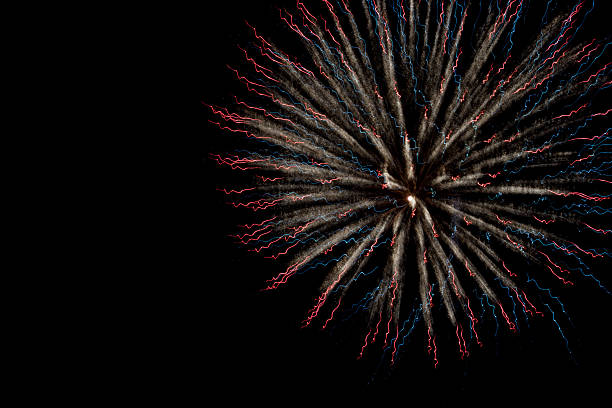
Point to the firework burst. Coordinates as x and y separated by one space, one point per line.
436 159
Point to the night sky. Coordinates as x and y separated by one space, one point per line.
252 341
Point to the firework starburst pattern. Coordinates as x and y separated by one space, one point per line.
436 164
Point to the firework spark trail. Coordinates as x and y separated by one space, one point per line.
423 136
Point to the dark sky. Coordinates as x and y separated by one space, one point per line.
252 340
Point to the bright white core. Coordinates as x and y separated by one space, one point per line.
412 201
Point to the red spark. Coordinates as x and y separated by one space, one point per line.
586 197
505 222
543 221
508 270
510 324
571 113
235 191
468 268
597 230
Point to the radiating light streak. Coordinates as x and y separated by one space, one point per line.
381 145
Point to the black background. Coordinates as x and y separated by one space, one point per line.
252 341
